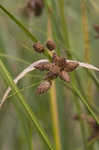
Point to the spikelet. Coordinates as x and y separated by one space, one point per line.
38 47
37 7
60 61
55 58
97 36
43 66
70 66
33 7
50 45
76 117
54 69
64 76
43 87
48 67
96 27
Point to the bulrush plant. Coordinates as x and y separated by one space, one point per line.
55 67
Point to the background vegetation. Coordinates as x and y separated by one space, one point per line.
70 24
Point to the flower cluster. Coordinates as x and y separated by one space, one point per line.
58 67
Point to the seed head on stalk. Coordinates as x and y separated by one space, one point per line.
50 75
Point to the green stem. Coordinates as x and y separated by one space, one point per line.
53 102
85 32
55 119
25 105
67 46
64 27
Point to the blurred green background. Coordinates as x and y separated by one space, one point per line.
16 52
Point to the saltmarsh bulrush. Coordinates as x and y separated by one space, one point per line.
58 67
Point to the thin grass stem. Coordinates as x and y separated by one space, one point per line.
67 46
53 102
64 28
86 44
25 105
54 112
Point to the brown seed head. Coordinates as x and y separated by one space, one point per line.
60 61
37 7
96 27
54 69
64 76
76 117
43 87
33 6
70 66
38 47
43 66
97 36
50 45
46 66
55 58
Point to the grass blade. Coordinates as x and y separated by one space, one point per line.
64 27
25 105
77 92
53 101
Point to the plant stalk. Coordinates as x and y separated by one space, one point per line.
64 28
86 44
53 103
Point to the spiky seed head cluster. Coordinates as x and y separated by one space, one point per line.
59 67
